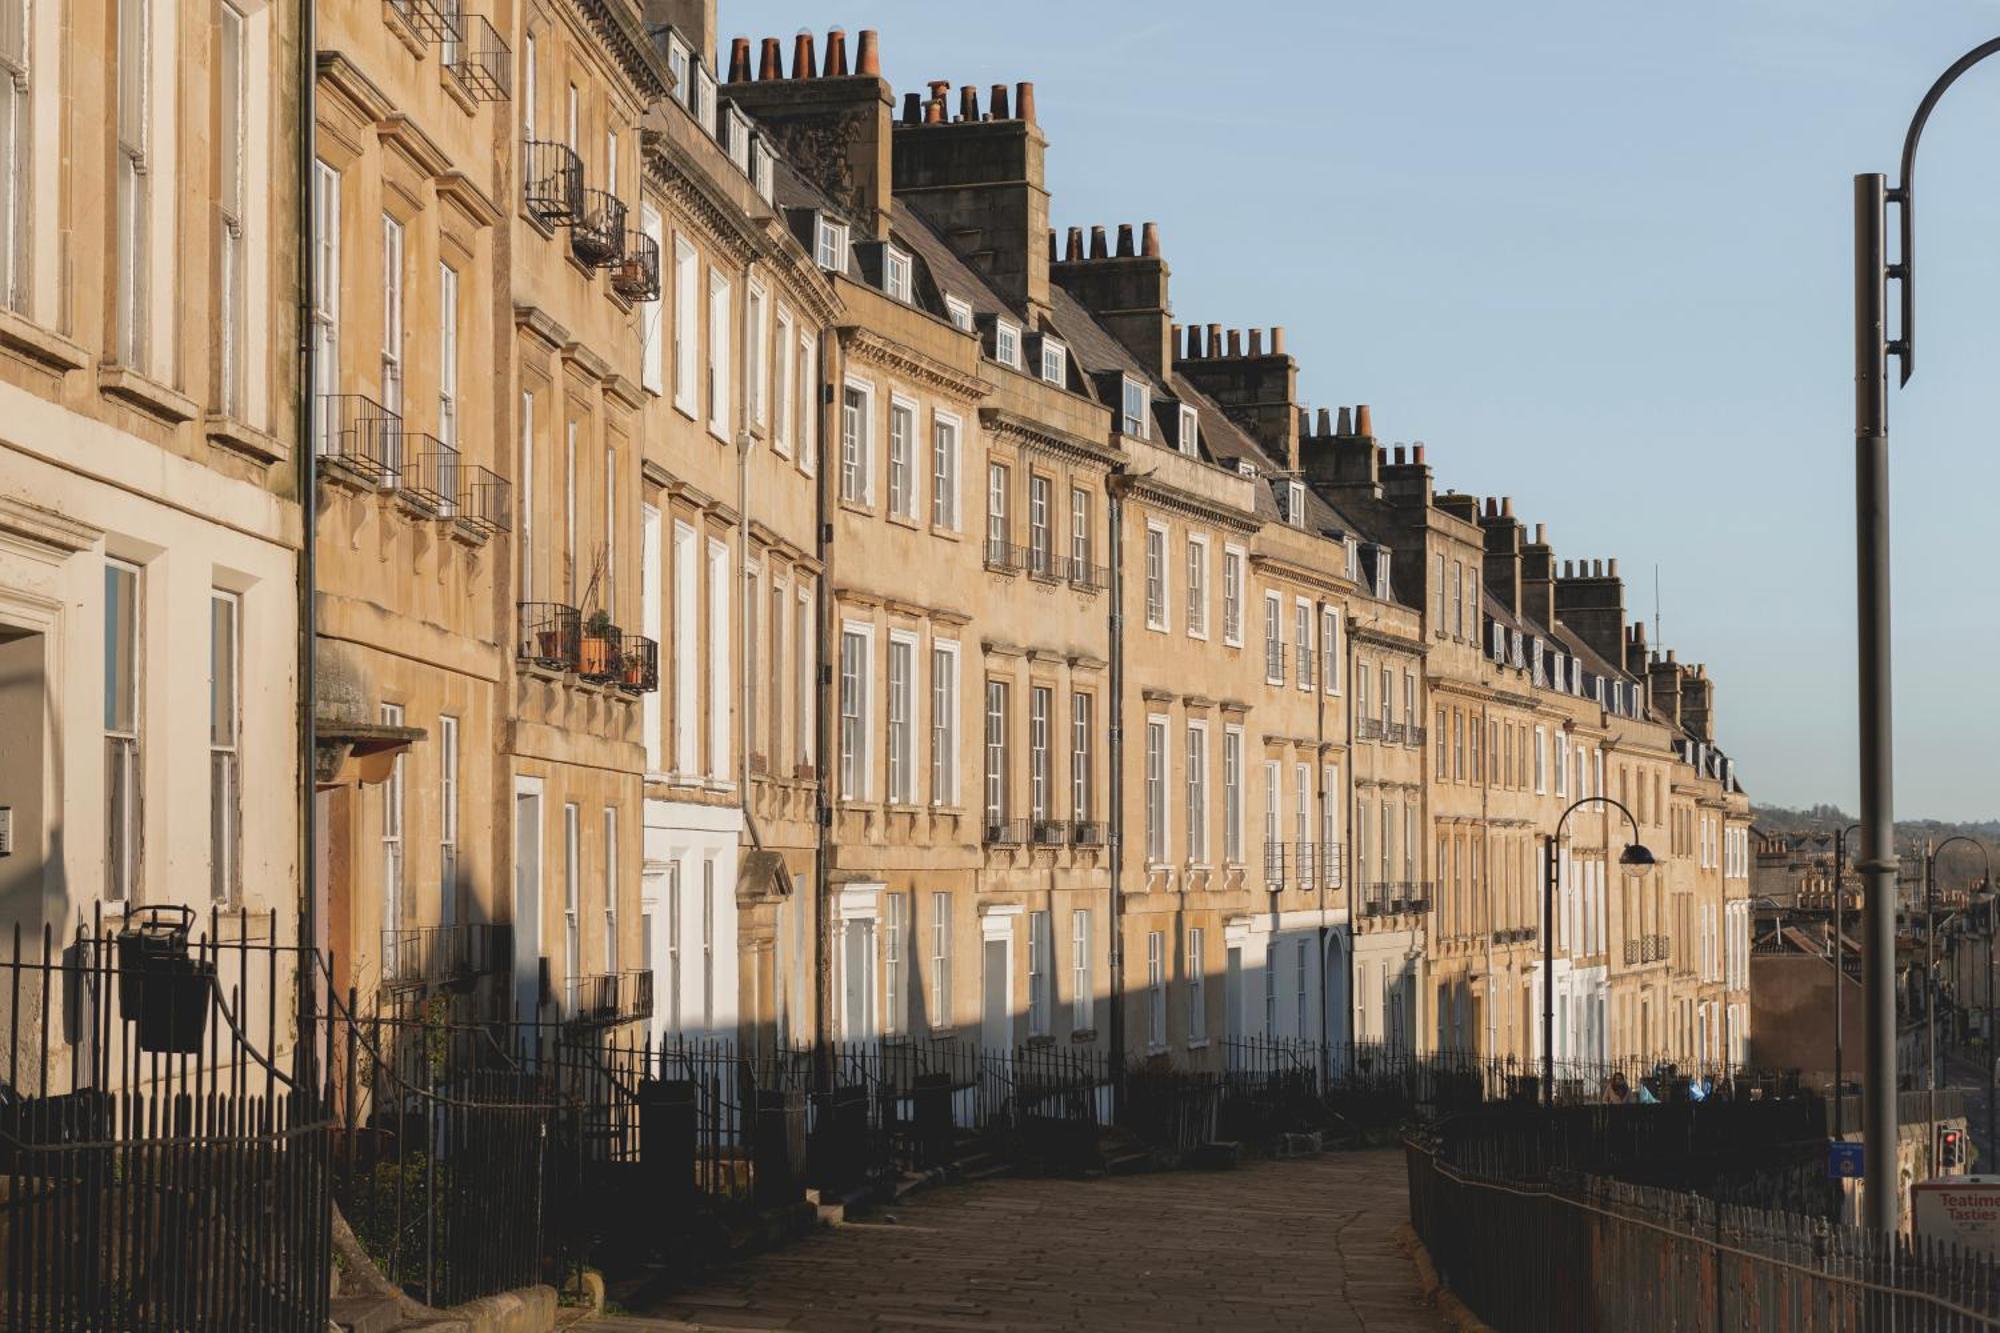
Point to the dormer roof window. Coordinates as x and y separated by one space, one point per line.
703 103
830 247
1382 557
1189 441
1535 659
736 127
896 274
677 65
1294 494
762 170
1055 362
1246 468
1136 405
1007 344
959 312
1352 558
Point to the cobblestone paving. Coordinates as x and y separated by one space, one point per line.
1306 1244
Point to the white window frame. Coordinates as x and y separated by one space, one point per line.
447 412
1040 973
391 384
1082 995
857 442
1157 607
940 979
959 312
1055 363
1194 768
1541 761
1159 763
1082 765
901 718
1133 394
853 699
720 751
1197 987
896 274
808 391
687 332
611 889
225 746
1156 990
1041 760
1330 651
721 294
1007 344
1197 587
945 430
124 733
1232 795
394 810
1302 643
448 786
830 245
904 487
1274 639
944 697
997 735
756 366
1189 442
783 403
1234 561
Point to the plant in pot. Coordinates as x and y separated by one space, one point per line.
596 644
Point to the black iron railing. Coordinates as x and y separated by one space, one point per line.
1004 832
1414 736
551 182
480 59
484 499
427 18
1042 564
611 997
1049 832
1086 833
640 673
1089 577
551 636
362 437
430 477
445 954
1274 865
1393 733
597 237
1367 728
1005 557
601 652
636 275
1329 865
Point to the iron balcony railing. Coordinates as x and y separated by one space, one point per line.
480 59
597 237
640 670
1414 736
1004 832
1049 832
445 954
484 499
1042 564
1305 857
1086 833
551 182
1088 577
1329 865
1416 895
636 276
601 652
1274 865
426 18
1367 728
551 635
1305 655
1392 733
361 436
611 997
430 477
1274 660
1374 899
1005 557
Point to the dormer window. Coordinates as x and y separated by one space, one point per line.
1382 557
1055 363
762 170
1246 468
896 273
703 105
959 312
830 250
677 65
1535 659
1136 403
1190 433
739 138
1292 501
1498 645
1006 344
1353 558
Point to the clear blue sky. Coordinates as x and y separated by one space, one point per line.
1597 256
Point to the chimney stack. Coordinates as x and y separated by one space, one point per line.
1592 604
854 114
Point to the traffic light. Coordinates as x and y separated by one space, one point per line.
1951 1151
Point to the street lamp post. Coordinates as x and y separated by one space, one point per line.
1839 973
1872 273
1930 979
1637 860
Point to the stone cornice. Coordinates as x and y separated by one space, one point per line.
1142 487
45 528
460 190
1381 638
879 350
1031 434
625 39
1302 573
538 322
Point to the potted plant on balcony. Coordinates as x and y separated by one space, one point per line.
633 674
595 659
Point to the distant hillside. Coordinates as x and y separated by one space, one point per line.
1827 818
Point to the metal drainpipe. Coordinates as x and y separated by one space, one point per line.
822 723
1353 996
1319 862
744 631
308 480
1115 515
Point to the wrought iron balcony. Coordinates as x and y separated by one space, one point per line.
551 182
1393 733
611 997
1042 564
430 477
1374 899
445 955
1304 654
1329 865
360 436
1305 857
597 237
426 18
1049 832
484 499
1414 736
1274 866
1004 832
636 276
1416 895
1086 833
551 636
1367 728
640 672
601 651
1274 660
1089 577
1005 557
479 58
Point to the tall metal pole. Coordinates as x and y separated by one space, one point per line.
1550 882
1930 992
1877 866
1839 974
1986 1047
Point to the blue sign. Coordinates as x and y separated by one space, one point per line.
1843 1161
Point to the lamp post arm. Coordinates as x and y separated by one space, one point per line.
1903 348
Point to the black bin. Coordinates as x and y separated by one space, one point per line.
160 987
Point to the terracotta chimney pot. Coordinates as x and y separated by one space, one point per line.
739 59
1346 419
934 110
1541 534
1073 246
1506 506
1215 340
771 60
1194 342
996 102
1125 250
1417 454
968 103
1149 240
913 108
1364 423
802 55
1256 342
1024 102
1236 342
868 55
1277 340
1097 250
836 54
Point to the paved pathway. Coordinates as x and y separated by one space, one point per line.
1306 1244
